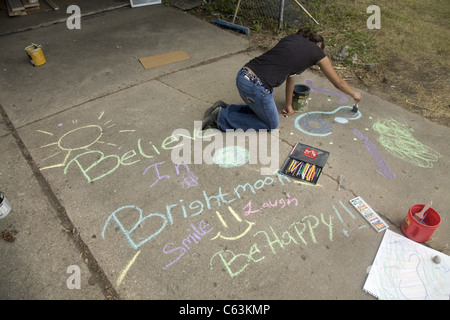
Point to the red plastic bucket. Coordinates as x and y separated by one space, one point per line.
420 231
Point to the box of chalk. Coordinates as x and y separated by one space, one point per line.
305 163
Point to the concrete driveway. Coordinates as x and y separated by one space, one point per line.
88 165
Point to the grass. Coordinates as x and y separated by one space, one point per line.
409 52
405 61
414 47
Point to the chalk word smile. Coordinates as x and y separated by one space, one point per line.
197 235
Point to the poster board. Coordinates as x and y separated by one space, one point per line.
405 270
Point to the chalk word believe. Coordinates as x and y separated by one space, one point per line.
196 207
103 165
294 235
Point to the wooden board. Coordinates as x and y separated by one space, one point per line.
52 4
27 4
163 59
12 13
21 7
15 5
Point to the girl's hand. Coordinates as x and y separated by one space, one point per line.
357 97
288 111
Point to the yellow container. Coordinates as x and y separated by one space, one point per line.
35 54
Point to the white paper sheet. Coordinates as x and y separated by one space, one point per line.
404 270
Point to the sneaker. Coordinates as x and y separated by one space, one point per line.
211 119
216 104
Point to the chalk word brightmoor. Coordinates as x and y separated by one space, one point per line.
156 222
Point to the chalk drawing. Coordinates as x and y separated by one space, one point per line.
341 220
232 156
248 258
187 179
155 165
195 236
104 165
341 120
81 138
344 231
142 218
312 125
382 165
277 203
302 232
151 225
225 225
110 166
82 149
156 222
84 132
196 207
342 97
346 209
398 140
275 240
125 271
404 269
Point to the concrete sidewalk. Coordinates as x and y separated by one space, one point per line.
87 164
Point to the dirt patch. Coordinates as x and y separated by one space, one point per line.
8 235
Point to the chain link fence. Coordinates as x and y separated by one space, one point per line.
265 14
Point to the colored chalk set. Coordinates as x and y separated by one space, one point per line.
369 214
305 163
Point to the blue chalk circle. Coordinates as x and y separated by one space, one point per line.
233 156
313 125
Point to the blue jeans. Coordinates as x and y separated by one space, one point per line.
259 112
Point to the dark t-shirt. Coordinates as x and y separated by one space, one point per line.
292 55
